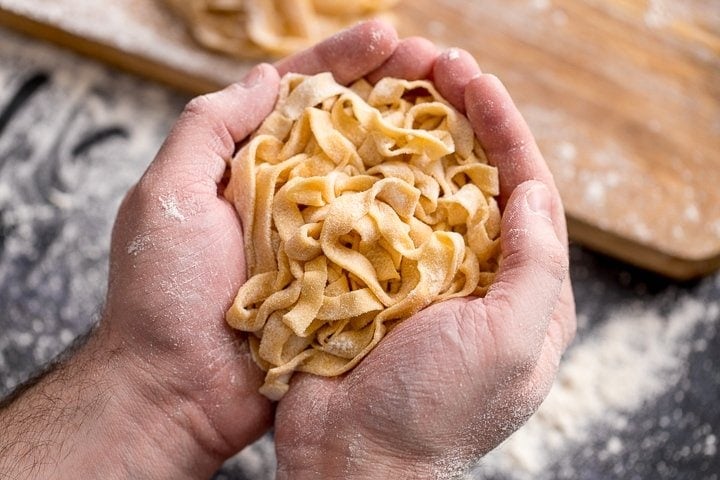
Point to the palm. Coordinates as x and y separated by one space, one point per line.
413 374
191 240
441 364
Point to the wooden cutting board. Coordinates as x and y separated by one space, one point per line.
623 96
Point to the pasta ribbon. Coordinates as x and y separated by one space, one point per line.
258 28
360 207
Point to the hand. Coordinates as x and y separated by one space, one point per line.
452 382
177 258
164 388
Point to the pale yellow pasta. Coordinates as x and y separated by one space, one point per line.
258 28
360 206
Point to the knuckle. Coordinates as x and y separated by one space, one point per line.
205 112
550 256
200 106
557 261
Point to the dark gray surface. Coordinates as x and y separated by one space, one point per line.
74 136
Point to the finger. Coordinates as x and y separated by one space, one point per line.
504 135
565 313
452 72
536 389
413 59
349 55
205 135
509 143
527 289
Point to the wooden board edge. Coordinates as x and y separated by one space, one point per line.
640 255
580 231
176 79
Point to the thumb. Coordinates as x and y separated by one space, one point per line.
534 265
205 136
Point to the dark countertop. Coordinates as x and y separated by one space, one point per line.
637 396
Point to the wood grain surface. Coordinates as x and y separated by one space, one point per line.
623 96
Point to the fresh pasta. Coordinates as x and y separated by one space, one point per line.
360 206
258 28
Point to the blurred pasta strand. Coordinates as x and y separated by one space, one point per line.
261 28
360 207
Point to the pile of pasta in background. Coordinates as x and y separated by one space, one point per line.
261 28
360 206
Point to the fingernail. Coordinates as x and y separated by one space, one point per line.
253 77
538 199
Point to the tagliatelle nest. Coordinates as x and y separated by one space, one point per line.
360 206
257 28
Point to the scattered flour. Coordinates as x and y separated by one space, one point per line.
657 14
567 151
710 445
138 244
436 28
57 200
375 38
141 27
614 445
595 193
635 356
256 461
692 213
170 207
541 5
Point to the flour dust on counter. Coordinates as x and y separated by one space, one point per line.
64 125
636 395
630 361
74 137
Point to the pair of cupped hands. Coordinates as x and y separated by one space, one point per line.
442 389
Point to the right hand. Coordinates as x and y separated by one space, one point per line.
453 381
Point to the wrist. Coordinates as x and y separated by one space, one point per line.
155 432
95 415
357 458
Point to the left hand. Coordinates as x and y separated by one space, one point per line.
177 256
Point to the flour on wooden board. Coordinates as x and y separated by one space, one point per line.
143 28
57 201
